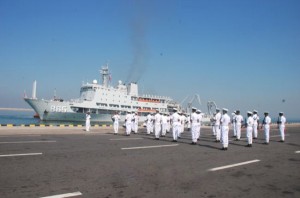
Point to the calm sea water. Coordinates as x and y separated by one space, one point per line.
26 117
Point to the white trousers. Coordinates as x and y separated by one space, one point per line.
176 129
116 127
87 125
179 130
128 128
224 130
238 131
194 133
168 127
281 131
213 129
255 130
267 133
234 128
164 128
136 127
157 129
249 134
218 132
198 131
149 127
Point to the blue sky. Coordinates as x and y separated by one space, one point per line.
241 54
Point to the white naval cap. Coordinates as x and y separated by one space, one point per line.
249 112
224 109
255 111
194 108
266 112
281 112
128 111
217 109
198 111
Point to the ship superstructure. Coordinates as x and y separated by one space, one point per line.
102 100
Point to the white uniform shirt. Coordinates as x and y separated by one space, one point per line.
157 118
282 119
239 119
149 118
88 117
199 119
128 118
225 120
194 118
255 119
136 117
250 121
116 118
182 119
267 120
164 119
218 118
175 118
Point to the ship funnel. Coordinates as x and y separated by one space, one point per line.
34 90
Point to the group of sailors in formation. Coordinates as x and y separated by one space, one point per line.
161 123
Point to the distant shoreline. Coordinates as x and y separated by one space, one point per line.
15 109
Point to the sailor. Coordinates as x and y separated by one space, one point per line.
188 118
199 122
182 120
179 125
168 122
136 123
175 119
225 121
116 119
238 124
217 125
212 123
164 124
250 123
233 121
132 121
152 123
87 121
194 126
266 124
157 124
255 124
281 125
149 123
128 123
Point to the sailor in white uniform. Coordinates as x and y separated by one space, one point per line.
266 124
164 124
217 125
250 123
238 124
255 124
212 123
168 122
132 121
87 121
157 124
116 119
149 123
281 125
188 118
175 119
128 123
233 121
225 121
194 126
136 123
183 120
199 119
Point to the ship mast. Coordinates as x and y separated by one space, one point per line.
105 75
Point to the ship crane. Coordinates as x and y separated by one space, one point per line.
211 107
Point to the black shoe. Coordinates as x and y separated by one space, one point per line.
255 138
281 141
234 136
115 134
174 141
223 149
266 143
226 149
248 145
237 139
156 138
178 137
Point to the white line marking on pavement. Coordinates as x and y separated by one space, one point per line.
23 154
145 147
26 142
234 165
127 139
20 135
297 151
64 195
